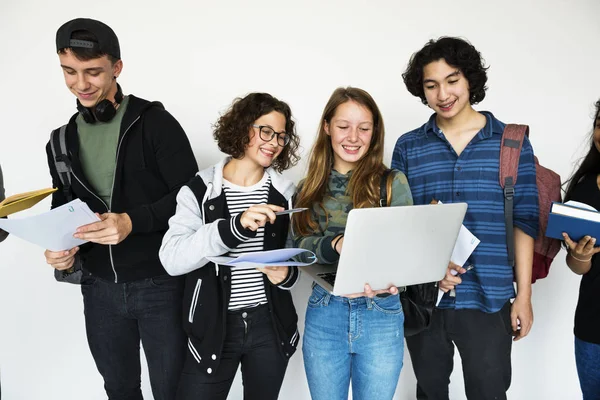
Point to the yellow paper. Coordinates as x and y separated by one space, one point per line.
23 201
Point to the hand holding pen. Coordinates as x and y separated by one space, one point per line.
453 272
452 277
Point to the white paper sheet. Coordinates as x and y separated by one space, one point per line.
464 247
54 229
269 258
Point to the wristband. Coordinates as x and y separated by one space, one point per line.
335 242
579 259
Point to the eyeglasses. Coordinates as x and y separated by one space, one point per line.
267 133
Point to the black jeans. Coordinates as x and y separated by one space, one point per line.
118 316
484 342
251 340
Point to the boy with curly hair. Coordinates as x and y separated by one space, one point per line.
455 157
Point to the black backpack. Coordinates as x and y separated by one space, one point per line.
62 163
418 301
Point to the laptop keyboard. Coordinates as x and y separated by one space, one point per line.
328 277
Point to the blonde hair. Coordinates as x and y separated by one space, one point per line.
364 185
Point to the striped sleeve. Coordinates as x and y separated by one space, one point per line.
398 159
526 208
233 233
290 280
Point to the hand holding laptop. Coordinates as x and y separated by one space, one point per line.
372 293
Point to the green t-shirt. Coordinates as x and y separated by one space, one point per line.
98 151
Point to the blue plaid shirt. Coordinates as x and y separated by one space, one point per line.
435 171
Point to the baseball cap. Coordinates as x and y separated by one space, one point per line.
107 41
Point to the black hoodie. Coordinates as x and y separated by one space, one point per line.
154 159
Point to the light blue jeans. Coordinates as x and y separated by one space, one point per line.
358 339
587 359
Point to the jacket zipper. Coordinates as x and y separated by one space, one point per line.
112 264
112 189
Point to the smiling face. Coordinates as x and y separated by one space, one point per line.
446 89
90 81
260 151
350 129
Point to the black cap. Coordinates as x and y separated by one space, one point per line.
107 40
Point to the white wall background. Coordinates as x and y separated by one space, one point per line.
196 56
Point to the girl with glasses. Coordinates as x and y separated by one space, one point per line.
237 316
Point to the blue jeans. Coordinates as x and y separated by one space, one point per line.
359 339
587 358
118 316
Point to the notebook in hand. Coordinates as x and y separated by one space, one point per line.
574 218
388 246
23 201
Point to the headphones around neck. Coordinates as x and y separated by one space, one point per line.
104 111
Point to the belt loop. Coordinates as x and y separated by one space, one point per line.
369 303
326 299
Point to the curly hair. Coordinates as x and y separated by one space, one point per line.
456 52
231 130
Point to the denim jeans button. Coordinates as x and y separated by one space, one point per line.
214 356
244 314
209 370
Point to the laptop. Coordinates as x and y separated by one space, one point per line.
387 246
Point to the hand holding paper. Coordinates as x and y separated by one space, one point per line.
53 229
466 243
113 228
275 274
61 260
464 247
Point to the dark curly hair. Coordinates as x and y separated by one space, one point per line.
231 130
456 52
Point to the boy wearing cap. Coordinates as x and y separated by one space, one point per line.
455 157
128 158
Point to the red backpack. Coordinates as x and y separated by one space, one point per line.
548 183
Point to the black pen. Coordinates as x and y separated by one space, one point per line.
468 268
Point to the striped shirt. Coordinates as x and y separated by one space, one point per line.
434 171
247 285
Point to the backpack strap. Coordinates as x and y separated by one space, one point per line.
510 152
383 188
58 143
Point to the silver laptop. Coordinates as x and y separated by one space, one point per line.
388 246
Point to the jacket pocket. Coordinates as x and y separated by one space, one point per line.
194 300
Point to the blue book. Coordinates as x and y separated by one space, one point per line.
576 219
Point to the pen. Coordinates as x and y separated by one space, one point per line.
453 272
